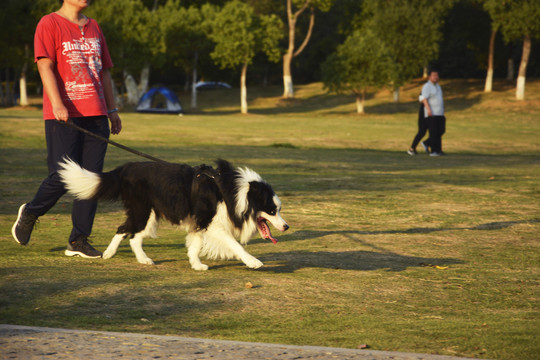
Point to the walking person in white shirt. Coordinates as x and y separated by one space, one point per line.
434 113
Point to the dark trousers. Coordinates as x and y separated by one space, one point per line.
437 127
89 152
422 127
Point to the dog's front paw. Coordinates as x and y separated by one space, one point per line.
253 263
146 261
107 254
199 267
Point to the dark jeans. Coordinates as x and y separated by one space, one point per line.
89 152
422 127
437 127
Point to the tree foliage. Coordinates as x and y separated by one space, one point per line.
239 34
16 40
362 61
130 41
183 33
173 37
518 20
515 18
410 28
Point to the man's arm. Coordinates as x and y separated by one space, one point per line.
116 122
426 105
46 70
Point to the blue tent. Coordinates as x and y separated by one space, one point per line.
159 100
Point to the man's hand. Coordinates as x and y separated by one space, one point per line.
116 123
60 112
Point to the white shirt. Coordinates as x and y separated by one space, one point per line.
433 93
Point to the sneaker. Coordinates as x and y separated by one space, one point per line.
411 152
22 229
435 154
426 148
81 247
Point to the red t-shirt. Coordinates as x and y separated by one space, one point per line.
80 57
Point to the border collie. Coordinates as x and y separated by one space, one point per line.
215 206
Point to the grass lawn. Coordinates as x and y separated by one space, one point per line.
417 254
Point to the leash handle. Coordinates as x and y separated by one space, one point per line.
123 147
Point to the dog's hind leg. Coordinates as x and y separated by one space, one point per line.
194 243
113 246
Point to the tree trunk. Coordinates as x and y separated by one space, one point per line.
134 91
145 79
489 78
360 100
396 95
520 88
243 90
1 92
510 70
188 83
194 82
288 91
8 92
117 98
23 94
131 89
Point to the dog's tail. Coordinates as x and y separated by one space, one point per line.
87 185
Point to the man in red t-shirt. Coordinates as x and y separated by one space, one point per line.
73 61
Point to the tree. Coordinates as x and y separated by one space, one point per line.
239 34
292 51
411 29
133 40
489 76
518 20
491 9
184 38
19 19
362 61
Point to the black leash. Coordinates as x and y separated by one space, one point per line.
123 147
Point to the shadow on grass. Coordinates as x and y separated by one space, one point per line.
314 234
366 260
348 260
53 302
457 97
359 260
333 104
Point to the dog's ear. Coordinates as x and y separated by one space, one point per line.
260 193
224 166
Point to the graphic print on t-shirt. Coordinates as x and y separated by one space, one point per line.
83 56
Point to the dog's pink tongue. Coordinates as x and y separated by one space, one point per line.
264 230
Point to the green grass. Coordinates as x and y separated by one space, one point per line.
365 219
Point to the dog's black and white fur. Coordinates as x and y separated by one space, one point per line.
214 206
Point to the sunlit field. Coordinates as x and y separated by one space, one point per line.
418 254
